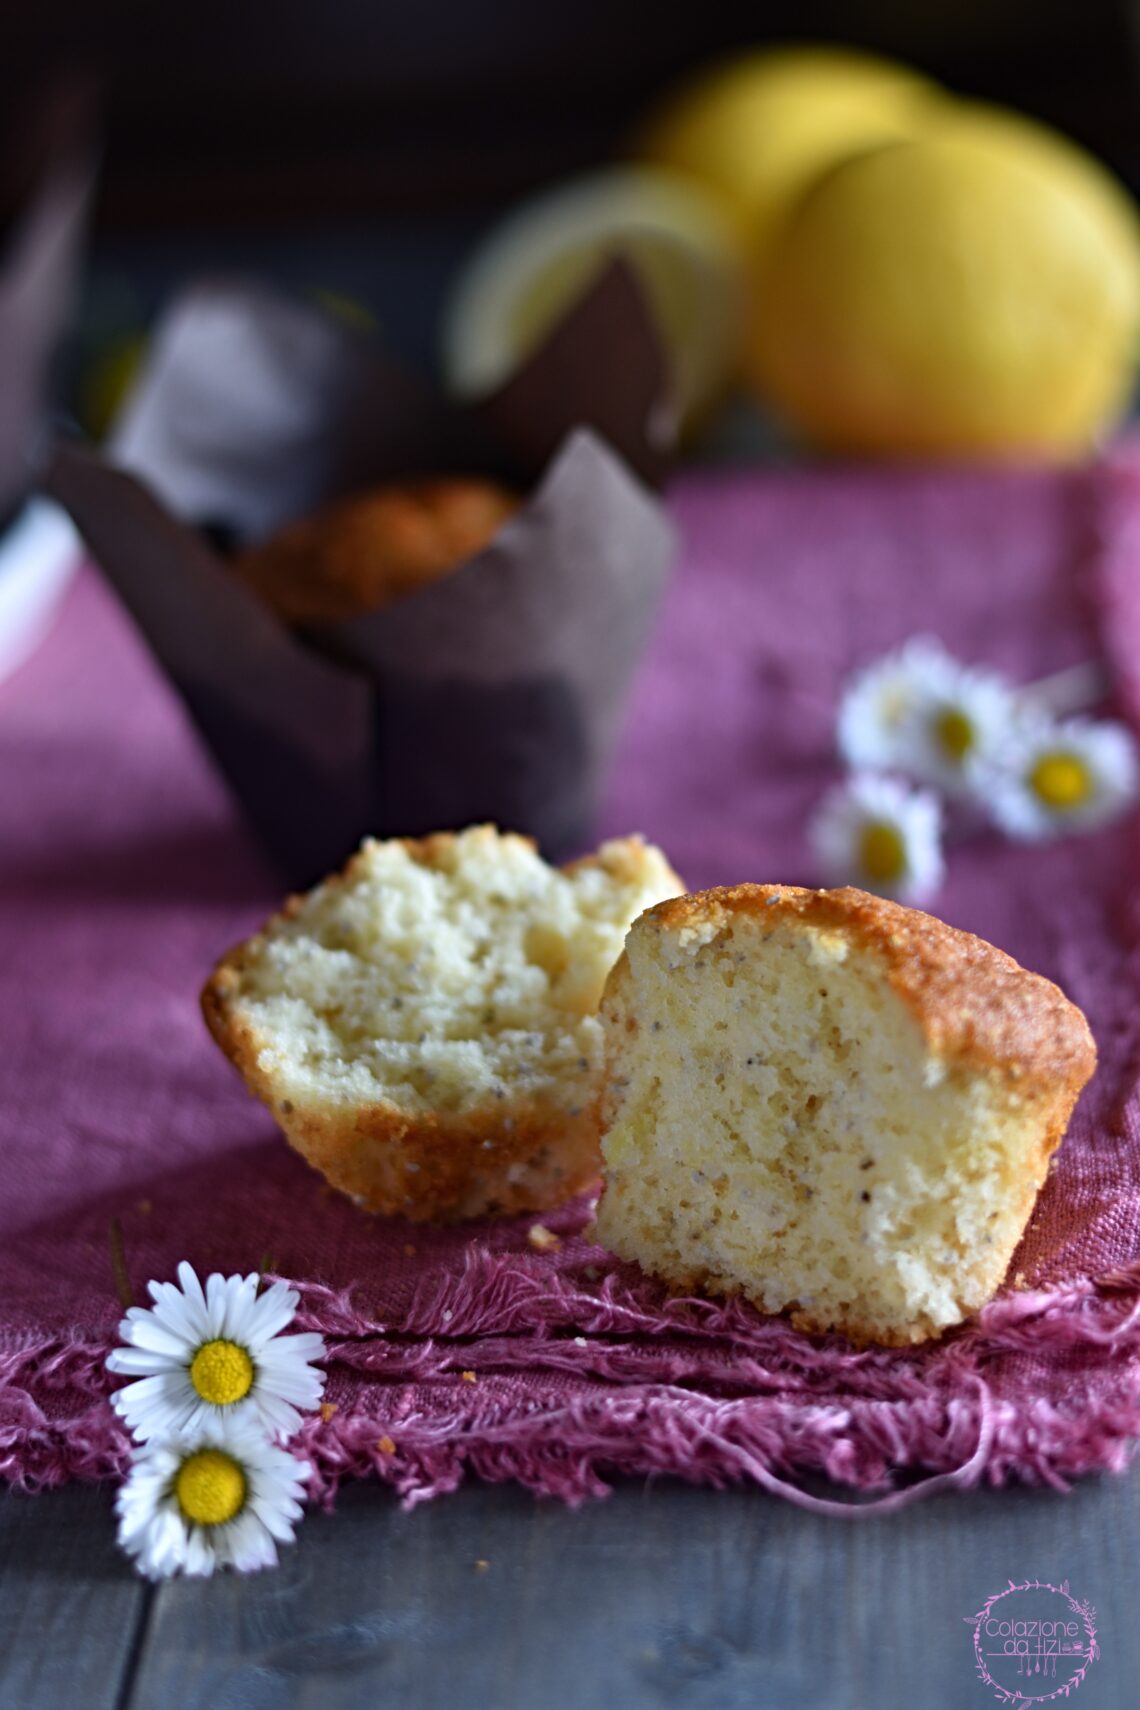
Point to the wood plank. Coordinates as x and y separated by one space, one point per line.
659 1597
71 1610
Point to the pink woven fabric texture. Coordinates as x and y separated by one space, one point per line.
124 872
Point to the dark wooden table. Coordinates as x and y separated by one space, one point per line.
489 1600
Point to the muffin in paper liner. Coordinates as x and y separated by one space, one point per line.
493 693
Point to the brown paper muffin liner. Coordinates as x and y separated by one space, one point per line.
493 693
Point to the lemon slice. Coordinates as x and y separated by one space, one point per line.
543 257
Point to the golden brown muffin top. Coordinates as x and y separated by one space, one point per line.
361 552
975 1004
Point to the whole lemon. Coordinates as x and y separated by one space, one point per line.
757 129
972 292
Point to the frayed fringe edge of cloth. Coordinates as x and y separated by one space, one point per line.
939 1410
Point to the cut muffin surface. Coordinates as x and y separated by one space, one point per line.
830 1103
424 1025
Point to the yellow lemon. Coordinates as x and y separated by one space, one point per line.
534 265
975 292
758 129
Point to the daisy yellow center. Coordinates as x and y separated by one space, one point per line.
882 852
1061 781
210 1487
954 733
221 1372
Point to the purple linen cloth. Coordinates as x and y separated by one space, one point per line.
125 872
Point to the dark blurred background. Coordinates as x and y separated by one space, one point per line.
345 109
358 147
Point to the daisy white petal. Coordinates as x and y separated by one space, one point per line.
1052 778
128 1362
159 1406
273 1311
222 1497
279 1419
298 1391
881 835
250 1546
148 1334
955 725
190 1285
224 1298
880 701
177 1315
242 1307
184 1301
305 1343
215 1292
278 1519
162 1389
227 1360
199 1559
286 1357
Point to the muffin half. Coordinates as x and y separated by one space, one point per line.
424 1024
831 1104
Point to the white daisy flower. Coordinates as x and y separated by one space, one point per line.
1054 778
881 835
213 1354
223 1498
959 719
880 701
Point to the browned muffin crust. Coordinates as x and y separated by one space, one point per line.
362 552
975 1004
